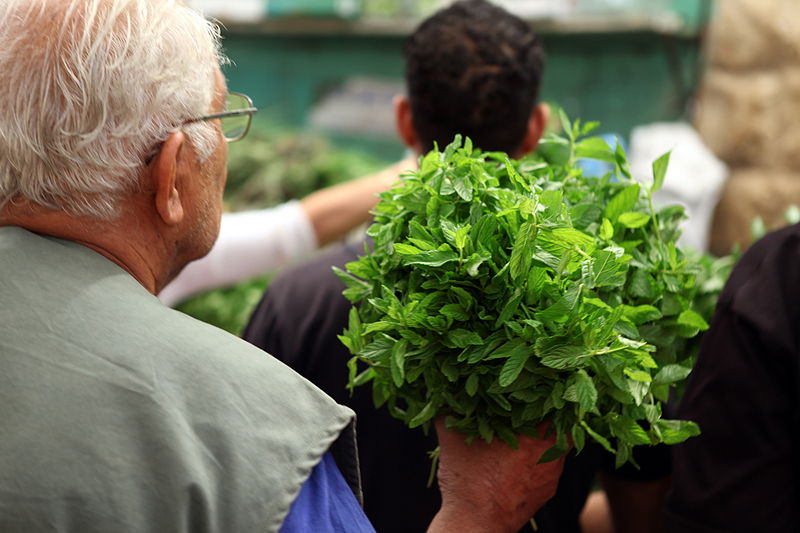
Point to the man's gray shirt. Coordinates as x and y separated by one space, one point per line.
119 414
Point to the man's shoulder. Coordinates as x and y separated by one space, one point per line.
771 251
86 310
765 278
212 363
168 400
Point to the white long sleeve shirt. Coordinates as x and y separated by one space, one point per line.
250 244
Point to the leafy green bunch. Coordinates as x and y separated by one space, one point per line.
508 293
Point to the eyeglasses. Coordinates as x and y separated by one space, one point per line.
236 118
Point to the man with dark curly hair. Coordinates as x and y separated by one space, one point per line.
476 70
471 69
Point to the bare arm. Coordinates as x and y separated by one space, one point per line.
334 211
491 488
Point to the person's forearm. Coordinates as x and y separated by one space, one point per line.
335 211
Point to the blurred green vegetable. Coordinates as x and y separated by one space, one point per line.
270 167
227 308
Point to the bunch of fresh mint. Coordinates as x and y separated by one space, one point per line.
506 293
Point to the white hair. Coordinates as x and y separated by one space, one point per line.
90 89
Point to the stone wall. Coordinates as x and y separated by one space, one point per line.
748 113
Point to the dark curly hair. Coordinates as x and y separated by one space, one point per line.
474 69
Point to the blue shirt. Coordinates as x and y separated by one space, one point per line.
326 504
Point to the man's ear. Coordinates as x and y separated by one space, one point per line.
536 125
164 175
405 123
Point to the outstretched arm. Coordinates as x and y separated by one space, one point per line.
336 210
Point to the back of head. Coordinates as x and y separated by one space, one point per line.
90 90
474 69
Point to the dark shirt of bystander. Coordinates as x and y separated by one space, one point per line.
741 474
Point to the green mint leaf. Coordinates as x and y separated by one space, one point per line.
633 219
559 240
638 375
425 414
464 298
552 453
676 431
485 430
537 279
522 253
595 148
578 437
364 377
565 357
670 374
608 271
473 264
509 308
471 385
468 145
432 258
407 249
463 338
641 285
585 390
692 319
660 171
554 198
514 365
623 454
606 230
397 363
565 123
508 436
629 431
455 311
561 310
640 314
597 437
621 162
463 187
378 349
622 202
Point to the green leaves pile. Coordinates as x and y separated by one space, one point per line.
506 293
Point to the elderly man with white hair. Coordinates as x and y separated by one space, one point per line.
120 414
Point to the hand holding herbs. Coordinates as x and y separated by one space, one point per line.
509 484
507 293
